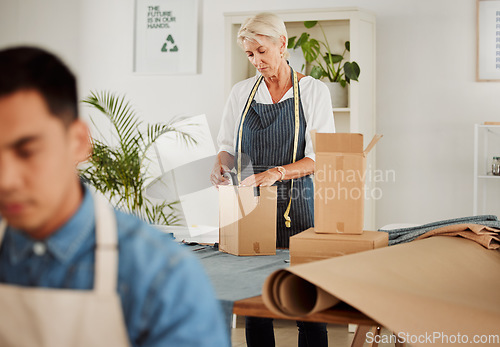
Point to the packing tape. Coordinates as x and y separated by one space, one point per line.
340 227
256 247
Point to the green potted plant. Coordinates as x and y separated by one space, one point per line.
120 170
331 66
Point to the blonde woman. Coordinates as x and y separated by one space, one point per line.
267 120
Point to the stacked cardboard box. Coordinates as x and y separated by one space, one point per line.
310 246
338 201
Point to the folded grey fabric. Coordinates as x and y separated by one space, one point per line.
403 235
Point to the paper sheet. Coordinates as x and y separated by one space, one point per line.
444 285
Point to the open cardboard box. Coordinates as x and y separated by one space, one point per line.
309 246
339 178
247 220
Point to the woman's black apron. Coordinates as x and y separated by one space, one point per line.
267 140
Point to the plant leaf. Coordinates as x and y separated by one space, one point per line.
291 42
351 71
311 50
302 39
310 23
120 113
318 72
348 46
335 58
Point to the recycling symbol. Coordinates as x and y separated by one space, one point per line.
167 46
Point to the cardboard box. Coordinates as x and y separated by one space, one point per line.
247 220
309 246
339 178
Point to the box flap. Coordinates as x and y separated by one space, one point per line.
372 143
339 142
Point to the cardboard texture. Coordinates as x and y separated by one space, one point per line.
310 246
440 285
247 220
339 182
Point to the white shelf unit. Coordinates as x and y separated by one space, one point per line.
486 185
340 25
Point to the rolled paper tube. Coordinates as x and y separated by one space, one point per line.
287 294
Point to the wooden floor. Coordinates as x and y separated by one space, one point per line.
286 334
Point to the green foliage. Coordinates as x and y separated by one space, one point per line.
120 171
327 64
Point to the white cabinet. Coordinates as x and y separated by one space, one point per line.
340 25
486 185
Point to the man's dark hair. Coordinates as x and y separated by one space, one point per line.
30 68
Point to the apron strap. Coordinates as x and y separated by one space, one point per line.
243 116
106 253
288 220
3 227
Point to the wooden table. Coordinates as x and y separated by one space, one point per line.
339 314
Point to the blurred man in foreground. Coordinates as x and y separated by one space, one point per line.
73 271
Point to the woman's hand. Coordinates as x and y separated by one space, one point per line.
264 179
221 165
216 176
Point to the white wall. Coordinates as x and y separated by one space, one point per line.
51 24
427 97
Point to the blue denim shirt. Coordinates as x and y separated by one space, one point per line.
167 298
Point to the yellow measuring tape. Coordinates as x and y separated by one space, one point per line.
288 220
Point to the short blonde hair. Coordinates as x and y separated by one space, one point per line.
265 24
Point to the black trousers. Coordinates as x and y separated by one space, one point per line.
259 332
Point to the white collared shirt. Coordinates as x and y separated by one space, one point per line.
316 103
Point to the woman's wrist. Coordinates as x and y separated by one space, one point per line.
281 171
276 174
225 159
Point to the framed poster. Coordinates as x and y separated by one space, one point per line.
166 37
488 40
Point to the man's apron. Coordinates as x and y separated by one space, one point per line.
44 317
268 139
